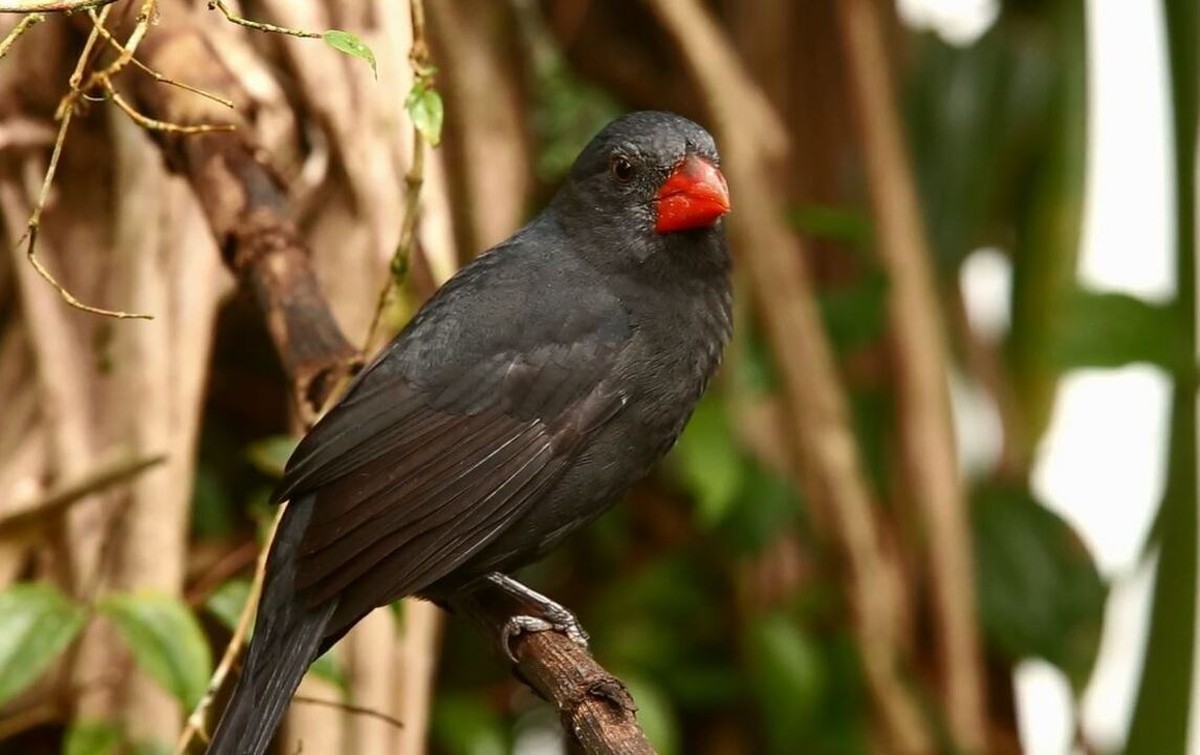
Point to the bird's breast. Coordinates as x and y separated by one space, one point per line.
677 349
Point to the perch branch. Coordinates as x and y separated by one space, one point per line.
595 707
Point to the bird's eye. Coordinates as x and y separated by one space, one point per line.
621 169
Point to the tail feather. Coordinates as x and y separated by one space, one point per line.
287 639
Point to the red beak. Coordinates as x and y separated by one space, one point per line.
693 196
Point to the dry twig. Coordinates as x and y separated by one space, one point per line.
24 25
413 180
108 472
51 6
259 25
195 722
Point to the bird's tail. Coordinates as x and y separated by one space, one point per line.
286 640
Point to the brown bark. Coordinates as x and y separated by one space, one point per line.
596 709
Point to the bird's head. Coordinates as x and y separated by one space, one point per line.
646 182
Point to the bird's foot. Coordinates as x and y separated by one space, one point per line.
561 621
550 615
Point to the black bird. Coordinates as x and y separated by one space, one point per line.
522 400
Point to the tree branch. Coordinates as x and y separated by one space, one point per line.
246 206
51 6
595 707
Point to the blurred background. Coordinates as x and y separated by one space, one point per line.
942 497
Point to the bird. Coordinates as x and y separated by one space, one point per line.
517 405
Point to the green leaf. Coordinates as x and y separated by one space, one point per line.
270 455
789 679
424 106
166 641
344 41
1040 594
228 600
92 738
655 714
326 667
36 623
1103 329
709 462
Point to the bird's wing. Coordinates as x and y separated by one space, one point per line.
420 467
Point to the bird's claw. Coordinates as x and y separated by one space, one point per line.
564 623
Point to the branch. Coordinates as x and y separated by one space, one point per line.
108 472
247 209
51 6
24 25
926 431
595 707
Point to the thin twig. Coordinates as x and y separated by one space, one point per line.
66 111
145 16
106 474
156 125
24 25
259 25
418 59
51 6
157 76
350 708
195 722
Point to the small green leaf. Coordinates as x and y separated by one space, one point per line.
270 455
166 641
326 667
36 623
92 738
227 601
424 106
344 41
710 464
